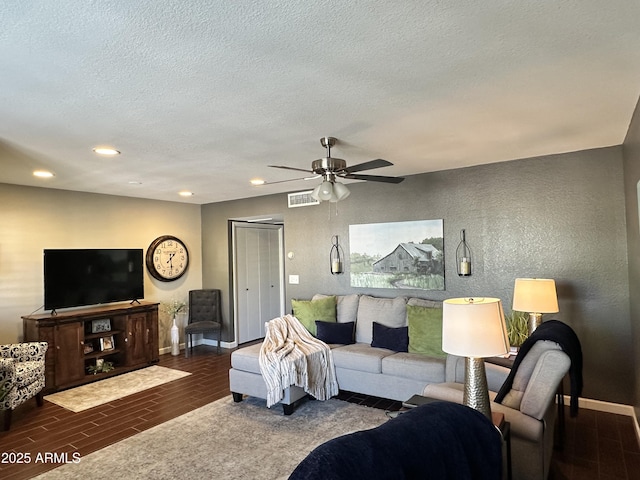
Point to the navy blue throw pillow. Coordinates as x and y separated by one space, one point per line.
396 339
332 332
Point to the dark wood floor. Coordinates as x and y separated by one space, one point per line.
598 445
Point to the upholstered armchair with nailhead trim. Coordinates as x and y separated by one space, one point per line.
21 376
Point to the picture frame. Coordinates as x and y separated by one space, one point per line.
405 255
88 348
107 343
101 325
99 364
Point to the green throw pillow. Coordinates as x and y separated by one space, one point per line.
308 311
425 330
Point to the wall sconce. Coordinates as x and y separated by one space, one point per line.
463 256
336 257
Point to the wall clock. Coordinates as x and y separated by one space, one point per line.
167 258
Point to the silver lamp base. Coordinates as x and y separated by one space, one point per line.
535 319
476 391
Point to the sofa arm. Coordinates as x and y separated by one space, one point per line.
24 352
7 370
522 425
543 384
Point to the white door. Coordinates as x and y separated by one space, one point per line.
259 278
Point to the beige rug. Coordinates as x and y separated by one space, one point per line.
105 391
223 439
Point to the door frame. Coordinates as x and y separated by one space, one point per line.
233 280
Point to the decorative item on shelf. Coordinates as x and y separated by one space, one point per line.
100 367
474 328
107 343
463 256
336 257
535 296
101 325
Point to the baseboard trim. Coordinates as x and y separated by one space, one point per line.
601 406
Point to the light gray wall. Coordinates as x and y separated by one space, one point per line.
558 216
631 149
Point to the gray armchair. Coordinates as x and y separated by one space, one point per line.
22 376
205 316
529 406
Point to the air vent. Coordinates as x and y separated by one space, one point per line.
302 199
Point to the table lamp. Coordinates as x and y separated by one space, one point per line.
474 328
535 296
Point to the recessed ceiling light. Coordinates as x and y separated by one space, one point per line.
43 174
106 151
185 194
257 181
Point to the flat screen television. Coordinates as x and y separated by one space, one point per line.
79 277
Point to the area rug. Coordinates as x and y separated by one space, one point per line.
112 388
226 440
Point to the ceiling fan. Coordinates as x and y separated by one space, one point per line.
331 168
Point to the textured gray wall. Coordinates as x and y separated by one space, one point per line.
559 216
631 152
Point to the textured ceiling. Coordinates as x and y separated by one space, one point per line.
202 95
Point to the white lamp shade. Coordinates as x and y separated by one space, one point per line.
535 295
474 327
326 190
315 194
340 192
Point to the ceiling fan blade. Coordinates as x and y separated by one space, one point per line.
290 180
290 168
374 178
370 165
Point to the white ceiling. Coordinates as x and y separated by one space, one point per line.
202 95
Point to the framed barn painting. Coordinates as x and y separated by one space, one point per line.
407 255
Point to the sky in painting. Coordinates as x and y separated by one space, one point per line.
382 238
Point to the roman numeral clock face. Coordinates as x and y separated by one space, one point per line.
167 258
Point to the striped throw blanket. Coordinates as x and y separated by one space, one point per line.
290 355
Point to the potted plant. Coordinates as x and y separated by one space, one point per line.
517 328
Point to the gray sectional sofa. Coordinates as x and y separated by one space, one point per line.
360 367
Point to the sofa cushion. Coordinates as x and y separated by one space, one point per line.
361 357
425 330
415 367
346 306
396 339
247 358
391 312
422 302
308 311
332 332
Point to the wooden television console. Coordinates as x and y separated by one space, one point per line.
125 335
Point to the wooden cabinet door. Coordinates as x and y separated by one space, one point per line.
153 343
69 340
137 336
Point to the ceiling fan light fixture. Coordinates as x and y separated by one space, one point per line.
340 191
326 190
315 194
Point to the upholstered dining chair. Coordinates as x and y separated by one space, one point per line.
22 376
205 316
